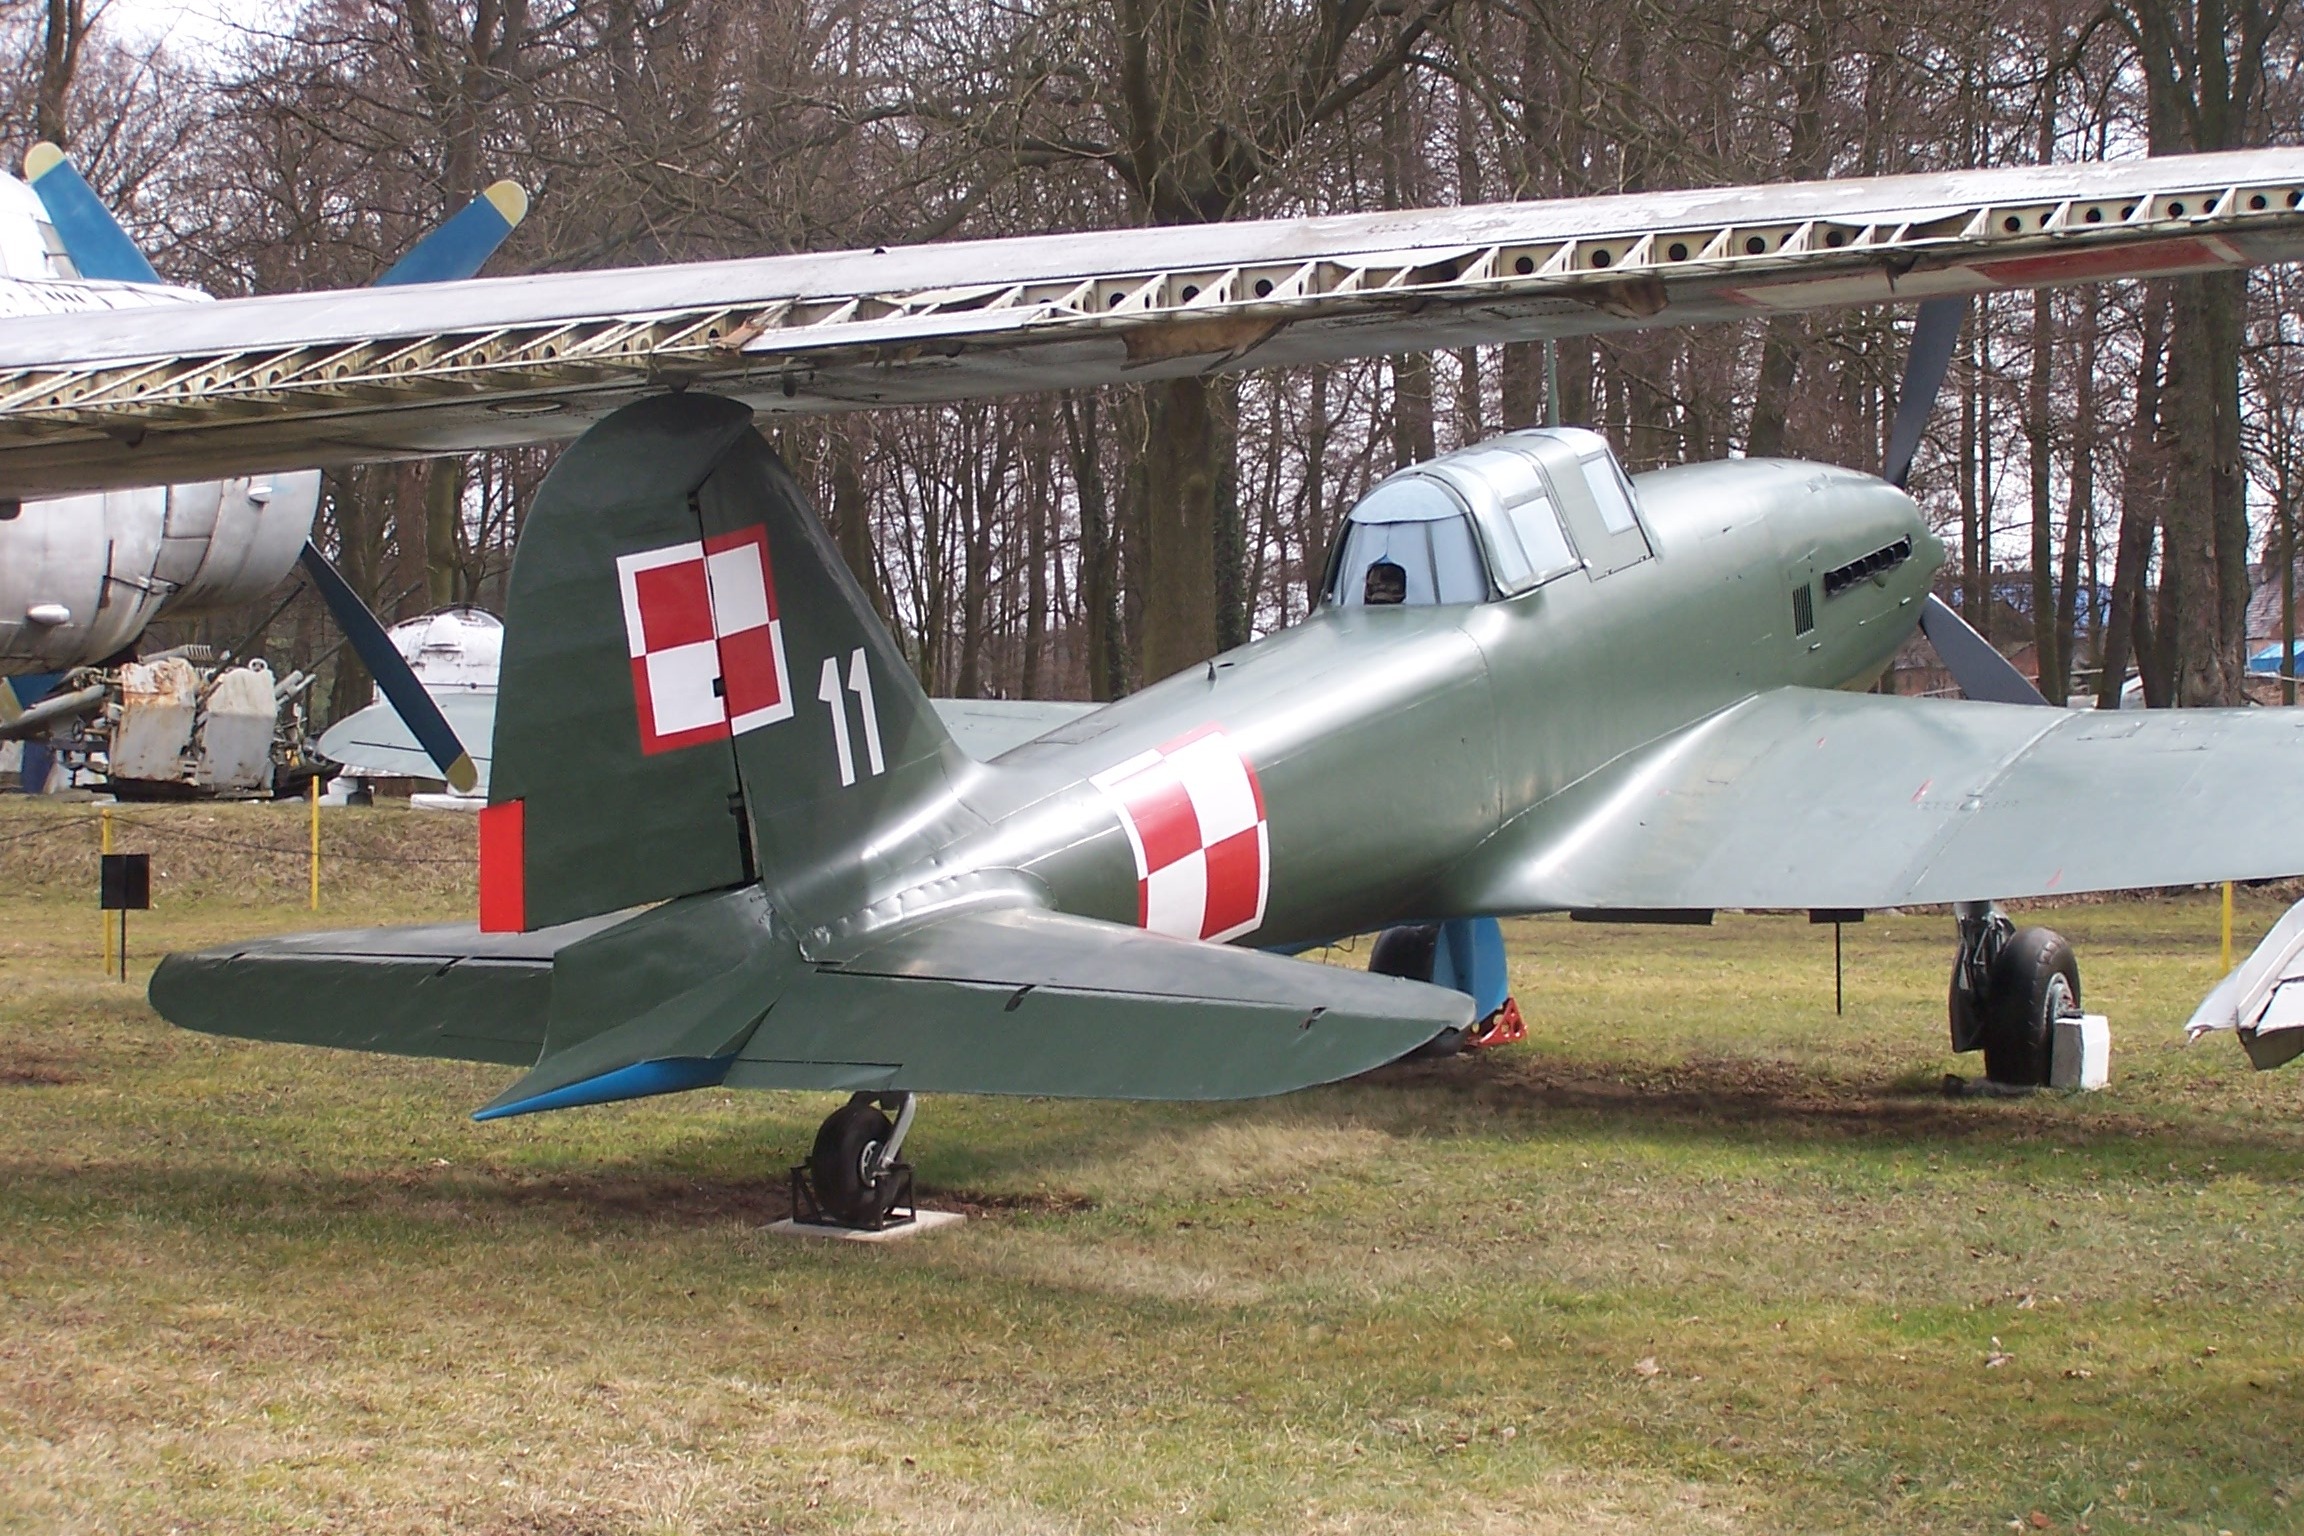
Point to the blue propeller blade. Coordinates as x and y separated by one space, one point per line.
94 240
406 695
457 248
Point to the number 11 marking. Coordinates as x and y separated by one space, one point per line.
860 684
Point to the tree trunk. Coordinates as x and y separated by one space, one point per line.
1180 527
1229 570
67 29
444 584
852 516
1099 551
2036 437
2079 507
2128 626
1319 522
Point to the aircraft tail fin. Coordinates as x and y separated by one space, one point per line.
695 692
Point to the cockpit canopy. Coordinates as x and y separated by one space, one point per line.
1494 520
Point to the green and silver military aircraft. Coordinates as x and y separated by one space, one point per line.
729 841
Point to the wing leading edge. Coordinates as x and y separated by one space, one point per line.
1809 798
330 378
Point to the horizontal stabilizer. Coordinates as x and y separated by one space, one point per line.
447 990
711 989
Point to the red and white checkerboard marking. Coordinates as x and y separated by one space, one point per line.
1194 814
707 648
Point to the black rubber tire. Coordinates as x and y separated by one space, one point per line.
2020 1011
1409 951
852 1134
1405 951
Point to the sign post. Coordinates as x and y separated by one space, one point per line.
313 786
124 884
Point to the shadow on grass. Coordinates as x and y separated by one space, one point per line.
632 1198
982 1166
1761 1104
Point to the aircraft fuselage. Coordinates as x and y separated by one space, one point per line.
1387 744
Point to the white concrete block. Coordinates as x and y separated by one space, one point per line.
926 1221
2081 1057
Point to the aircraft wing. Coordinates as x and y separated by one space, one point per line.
1809 798
376 743
183 392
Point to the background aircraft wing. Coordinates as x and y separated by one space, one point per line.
1809 798
374 742
178 392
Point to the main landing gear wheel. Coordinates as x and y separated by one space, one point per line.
2035 981
849 1167
1409 951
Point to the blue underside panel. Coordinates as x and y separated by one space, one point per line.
1470 958
645 1079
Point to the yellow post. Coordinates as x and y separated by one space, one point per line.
2227 927
314 786
104 845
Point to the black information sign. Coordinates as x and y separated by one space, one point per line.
125 884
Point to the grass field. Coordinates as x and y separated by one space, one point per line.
1700 1256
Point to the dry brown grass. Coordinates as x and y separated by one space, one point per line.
1699 1257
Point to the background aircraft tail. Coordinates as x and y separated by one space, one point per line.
695 692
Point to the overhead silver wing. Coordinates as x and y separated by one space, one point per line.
1809 798
204 390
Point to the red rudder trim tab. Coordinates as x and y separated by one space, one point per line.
504 868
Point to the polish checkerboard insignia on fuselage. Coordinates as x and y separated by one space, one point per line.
1194 814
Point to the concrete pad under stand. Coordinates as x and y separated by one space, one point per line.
925 1221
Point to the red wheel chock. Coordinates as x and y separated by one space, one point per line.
1503 1027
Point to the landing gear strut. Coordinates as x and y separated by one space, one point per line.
2009 987
853 1177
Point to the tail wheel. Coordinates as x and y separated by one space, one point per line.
2035 982
844 1166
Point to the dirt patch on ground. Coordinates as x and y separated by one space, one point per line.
21 1068
977 1203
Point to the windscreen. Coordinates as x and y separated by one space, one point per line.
1419 526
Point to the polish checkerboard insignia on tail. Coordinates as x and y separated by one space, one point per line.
1194 814
707 646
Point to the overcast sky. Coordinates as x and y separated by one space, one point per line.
192 26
